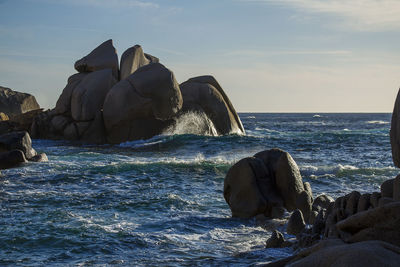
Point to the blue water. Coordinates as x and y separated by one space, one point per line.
160 202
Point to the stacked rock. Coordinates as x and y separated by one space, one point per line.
137 99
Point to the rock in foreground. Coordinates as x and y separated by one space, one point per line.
260 184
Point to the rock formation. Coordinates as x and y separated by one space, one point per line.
102 104
269 180
204 94
16 148
15 103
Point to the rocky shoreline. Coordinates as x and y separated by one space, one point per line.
353 230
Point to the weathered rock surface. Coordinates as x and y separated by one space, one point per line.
139 106
381 223
15 103
335 253
204 94
88 97
102 57
97 107
260 184
134 58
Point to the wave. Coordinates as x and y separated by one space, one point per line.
377 122
196 123
340 170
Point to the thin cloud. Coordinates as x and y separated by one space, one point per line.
259 53
362 15
112 3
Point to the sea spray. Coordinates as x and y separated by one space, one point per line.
192 123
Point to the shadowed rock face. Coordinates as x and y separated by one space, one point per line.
16 148
139 106
395 132
204 94
270 179
15 103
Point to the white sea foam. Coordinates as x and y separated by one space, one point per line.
377 122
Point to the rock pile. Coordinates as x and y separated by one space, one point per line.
107 102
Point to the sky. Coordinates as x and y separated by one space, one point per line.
268 55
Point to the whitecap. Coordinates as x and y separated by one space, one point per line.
377 122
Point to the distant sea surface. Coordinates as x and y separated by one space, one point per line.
160 202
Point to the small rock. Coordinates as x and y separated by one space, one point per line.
276 240
3 117
296 223
322 201
42 157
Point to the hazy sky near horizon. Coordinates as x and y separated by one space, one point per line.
268 55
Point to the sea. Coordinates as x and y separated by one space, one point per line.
159 202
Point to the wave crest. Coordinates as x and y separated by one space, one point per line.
192 123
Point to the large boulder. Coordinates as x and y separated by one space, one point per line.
140 106
381 223
14 103
88 97
395 132
102 57
204 94
134 58
271 178
330 253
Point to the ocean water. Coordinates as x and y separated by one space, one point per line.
159 202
